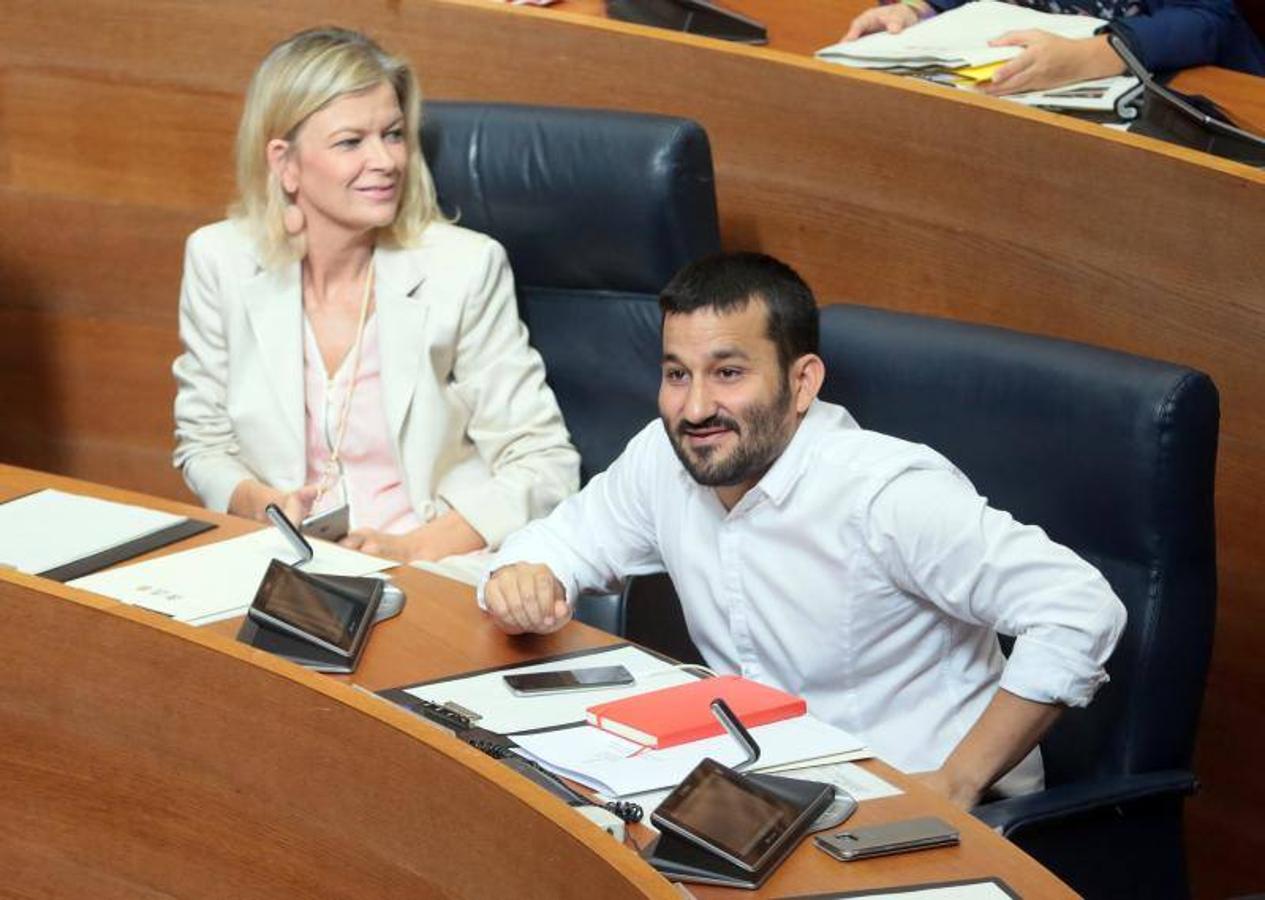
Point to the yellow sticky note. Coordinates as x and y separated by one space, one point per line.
978 74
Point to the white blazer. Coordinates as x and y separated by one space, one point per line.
475 427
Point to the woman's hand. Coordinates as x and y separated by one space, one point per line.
250 499
446 535
893 18
1050 61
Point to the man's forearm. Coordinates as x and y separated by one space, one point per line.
1003 735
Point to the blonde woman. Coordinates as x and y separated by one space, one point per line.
342 343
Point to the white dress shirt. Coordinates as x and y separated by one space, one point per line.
862 572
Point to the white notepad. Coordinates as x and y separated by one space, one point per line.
51 528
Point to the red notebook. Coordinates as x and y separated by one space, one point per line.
680 714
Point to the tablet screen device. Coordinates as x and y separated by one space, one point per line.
736 818
1187 120
321 610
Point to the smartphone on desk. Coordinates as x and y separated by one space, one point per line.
527 684
893 837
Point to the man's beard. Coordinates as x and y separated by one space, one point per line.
761 440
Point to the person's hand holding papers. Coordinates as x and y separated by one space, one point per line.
526 597
1050 61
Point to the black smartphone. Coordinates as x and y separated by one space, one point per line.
528 683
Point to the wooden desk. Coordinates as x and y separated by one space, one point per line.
141 757
116 127
804 27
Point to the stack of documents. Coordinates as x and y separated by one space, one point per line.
956 38
953 48
218 581
560 740
618 767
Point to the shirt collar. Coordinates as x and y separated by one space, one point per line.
790 466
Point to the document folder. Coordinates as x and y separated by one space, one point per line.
106 558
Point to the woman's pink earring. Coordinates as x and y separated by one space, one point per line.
292 219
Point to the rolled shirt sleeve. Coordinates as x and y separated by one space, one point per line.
1180 34
940 540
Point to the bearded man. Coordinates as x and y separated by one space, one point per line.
857 570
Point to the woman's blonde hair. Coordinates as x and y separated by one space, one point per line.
298 77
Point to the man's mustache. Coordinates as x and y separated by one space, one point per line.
685 427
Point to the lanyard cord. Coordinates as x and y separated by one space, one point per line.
334 463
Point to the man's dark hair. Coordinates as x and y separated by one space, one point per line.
727 282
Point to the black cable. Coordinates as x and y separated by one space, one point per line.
625 810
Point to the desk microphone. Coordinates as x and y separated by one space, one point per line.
293 536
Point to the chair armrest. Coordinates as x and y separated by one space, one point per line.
1016 813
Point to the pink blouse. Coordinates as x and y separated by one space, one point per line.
371 481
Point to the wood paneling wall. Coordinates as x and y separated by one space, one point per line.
116 123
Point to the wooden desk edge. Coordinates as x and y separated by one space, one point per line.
366 703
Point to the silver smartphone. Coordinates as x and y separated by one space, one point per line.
894 837
332 525
526 684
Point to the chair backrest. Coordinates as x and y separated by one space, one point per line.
1112 454
597 210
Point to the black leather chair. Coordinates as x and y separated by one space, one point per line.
1114 456
597 210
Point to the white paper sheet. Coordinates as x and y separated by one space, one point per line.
507 713
617 767
218 580
848 777
1099 94
51 528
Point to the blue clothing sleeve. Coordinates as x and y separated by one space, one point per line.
1180 34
